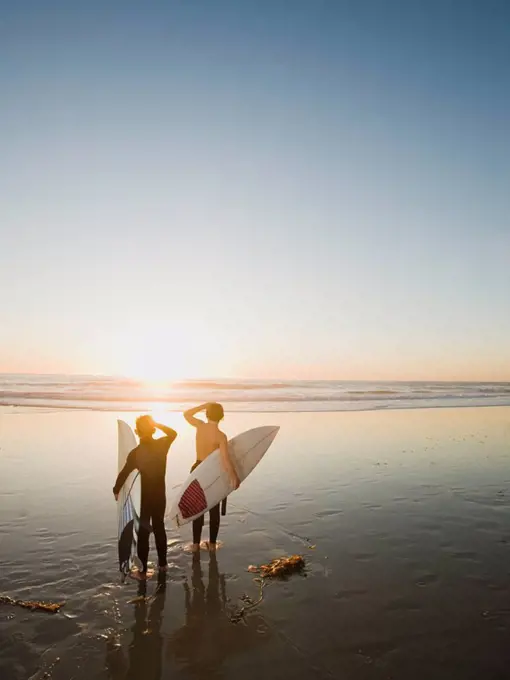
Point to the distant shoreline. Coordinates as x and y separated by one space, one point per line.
6 409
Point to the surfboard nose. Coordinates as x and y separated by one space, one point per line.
272 431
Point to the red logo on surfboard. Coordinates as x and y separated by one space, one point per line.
193 500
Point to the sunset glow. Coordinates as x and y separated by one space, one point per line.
179 201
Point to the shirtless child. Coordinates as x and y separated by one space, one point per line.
209 438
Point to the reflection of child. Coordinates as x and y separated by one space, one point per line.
208 637
146 647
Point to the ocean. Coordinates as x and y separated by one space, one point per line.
106 393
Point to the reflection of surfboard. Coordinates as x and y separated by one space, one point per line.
209 483
128 504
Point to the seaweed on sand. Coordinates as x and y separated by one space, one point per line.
280 567
50 607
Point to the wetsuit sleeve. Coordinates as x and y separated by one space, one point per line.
125 472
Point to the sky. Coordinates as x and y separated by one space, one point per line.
281 188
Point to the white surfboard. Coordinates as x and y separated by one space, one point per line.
209 483
128 503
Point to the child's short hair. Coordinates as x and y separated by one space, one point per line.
144 425
215 412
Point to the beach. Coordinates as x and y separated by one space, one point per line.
402 517
297 212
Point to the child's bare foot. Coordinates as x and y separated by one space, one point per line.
138 575
211 547
195 547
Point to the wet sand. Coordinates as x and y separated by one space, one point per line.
408 512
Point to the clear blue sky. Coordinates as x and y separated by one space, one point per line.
288 188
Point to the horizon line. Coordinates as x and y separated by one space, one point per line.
252 378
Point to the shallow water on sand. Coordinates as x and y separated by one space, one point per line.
408 512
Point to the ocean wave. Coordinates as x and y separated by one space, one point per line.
213 385
263 407
12 398
374 392
111 392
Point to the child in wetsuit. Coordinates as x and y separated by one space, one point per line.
149 457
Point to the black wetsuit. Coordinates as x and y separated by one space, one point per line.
149 457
